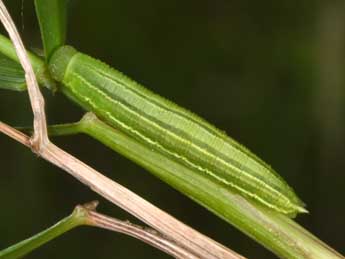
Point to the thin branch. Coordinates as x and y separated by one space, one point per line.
40 136
15 134
147 235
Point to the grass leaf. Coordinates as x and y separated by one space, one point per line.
11 75
52 19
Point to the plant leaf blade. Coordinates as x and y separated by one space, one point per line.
52 19
11 75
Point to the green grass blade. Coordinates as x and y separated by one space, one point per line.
52 20
39 66
26 246
11 75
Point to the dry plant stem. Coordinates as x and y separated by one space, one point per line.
185 237
144 234
148 236
40 136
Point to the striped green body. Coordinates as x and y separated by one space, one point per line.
169 129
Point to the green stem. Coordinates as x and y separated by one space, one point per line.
275 231
39 66
77 218
63 129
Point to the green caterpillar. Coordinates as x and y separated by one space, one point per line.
170 130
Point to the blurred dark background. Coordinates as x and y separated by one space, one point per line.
270 73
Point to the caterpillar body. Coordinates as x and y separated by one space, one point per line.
170 129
